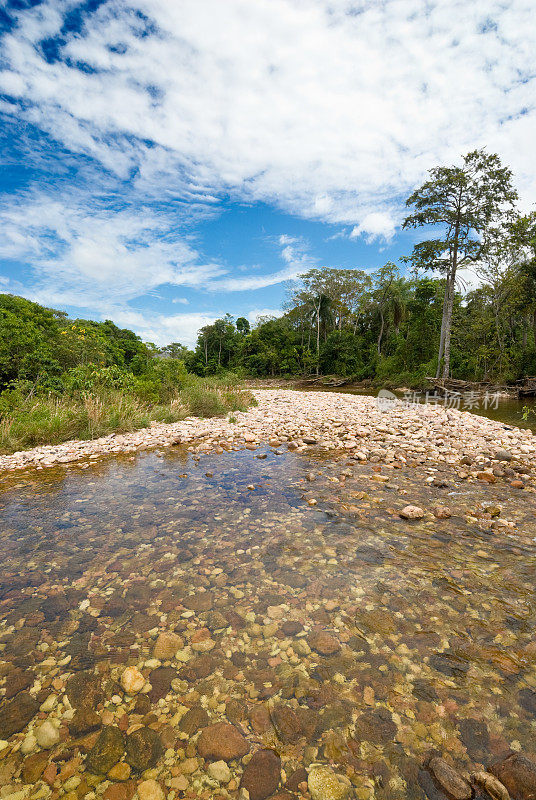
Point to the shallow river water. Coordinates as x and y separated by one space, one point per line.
333 632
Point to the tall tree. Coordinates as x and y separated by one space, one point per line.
462 204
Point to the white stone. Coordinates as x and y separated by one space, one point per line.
219 771
47 735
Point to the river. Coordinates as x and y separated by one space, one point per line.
301 609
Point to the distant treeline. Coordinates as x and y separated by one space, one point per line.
390 327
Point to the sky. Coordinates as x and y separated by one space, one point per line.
164 163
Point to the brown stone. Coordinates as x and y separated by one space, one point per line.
84 721
518 774
262 775
449 780
120 791
16 714
106 751
167 645
324 642
84 690
221 741
199 602
144 749
194 720
18 680
286 723
259 719
33 767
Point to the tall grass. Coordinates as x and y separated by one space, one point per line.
34 421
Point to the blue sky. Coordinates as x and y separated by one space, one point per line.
164 163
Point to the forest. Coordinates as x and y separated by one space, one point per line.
462 304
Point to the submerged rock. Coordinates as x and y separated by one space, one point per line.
518 774
262 775
106 751
324 784
144 749
221 742
446 777
16 714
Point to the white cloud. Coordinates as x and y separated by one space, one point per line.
255 313
162 329
328 108
376 225
88 256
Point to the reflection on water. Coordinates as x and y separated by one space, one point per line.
335 633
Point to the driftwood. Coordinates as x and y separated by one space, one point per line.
527 388
458 387
325 380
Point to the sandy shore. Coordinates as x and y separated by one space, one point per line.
297 420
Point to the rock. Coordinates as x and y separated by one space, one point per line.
324 642
518 774
106 751
167 645
527 700
442 512
259 719
491 785
150 790
119 772
503 455
160 680
286 723
219 771
324 784
202 601
411 512
487 477
84 690
194 720
47 735
262 775
120 791
376 726
449 780
17 681
84 721
16 714
221 742
144 749
33 767
474 734
132 680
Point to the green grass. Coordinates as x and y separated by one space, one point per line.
42 420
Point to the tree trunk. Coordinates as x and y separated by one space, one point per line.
448 326
318 338
381 333
442 337
534 324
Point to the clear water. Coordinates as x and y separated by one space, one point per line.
435 619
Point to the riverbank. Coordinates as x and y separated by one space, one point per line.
396 433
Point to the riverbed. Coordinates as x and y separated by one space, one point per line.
277 592
346 611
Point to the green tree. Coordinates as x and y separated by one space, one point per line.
461 203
